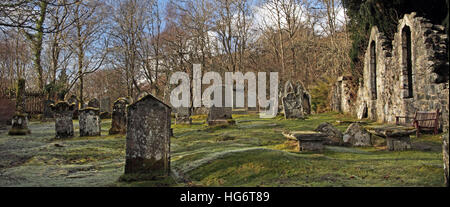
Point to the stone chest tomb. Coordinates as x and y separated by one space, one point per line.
148 137
63 114
89 119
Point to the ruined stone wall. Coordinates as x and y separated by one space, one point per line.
428 58
342 95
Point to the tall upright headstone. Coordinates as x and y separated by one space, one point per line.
148 137
119 117
63 114
19 121
296 101
90 122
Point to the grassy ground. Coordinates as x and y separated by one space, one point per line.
251 153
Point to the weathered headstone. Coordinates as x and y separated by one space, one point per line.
119 117
183 115
20 119
148 137
292 107
94 103
63 114
90 122
357 136
305 98
19 124
220 115
296 101
334 135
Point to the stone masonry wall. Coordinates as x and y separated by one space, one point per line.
428 59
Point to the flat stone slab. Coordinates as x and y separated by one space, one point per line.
305 135
397 137
307 140
391 131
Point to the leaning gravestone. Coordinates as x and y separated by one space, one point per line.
90 122
119 117
183 115
63 114
19 121
94 103
148 137
357 136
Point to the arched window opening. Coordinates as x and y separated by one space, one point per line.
373 70
407 61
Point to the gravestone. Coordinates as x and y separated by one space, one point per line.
292 107
19 121
63 114
183 115
305 98
119 117
296 101
148 137
357 136
48 113
220 115
94 103
19 124
90 122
